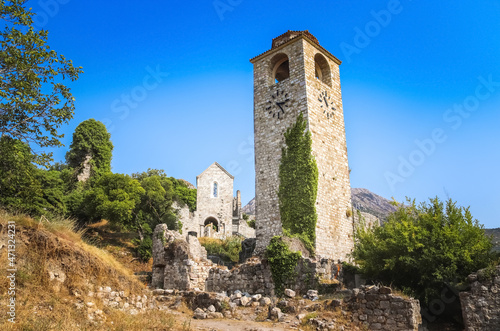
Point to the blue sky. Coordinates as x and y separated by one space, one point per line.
173 83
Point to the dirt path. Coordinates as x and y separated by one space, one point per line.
234 325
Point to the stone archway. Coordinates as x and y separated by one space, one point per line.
213 221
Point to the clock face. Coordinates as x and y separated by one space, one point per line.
278 104
327 104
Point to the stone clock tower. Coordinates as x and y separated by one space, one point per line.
296 76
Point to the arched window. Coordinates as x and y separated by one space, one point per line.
322 69
280 67
215 192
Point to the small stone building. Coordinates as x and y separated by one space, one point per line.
218 213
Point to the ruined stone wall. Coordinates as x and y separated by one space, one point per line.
380 309
190 223
242 228
249 277
334 230
481 305
179 262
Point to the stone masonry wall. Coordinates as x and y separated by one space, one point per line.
379 309
481 305
269 139
178 263
251 277
334 231
241 227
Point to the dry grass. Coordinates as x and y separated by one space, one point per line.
44 304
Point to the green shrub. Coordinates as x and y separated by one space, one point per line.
251 224
144 248
422 248
228 249
282 262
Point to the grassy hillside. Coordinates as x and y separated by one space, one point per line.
57 271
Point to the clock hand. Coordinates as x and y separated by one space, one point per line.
279 105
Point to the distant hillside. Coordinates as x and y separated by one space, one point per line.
369 202
362 199
496 237
249 209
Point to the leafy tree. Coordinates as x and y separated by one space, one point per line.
156 205
183 194
298 184
33 101
19 185
91 138
53 191
114 197
24 187
421 248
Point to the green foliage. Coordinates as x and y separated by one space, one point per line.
251 223
282 262
53 195
228 249
298 183
246 217
184 194
422 248
24 187
33 101
350 268
144 248
91 138
20 188
114 197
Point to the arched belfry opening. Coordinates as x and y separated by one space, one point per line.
213 222
322 70
280 66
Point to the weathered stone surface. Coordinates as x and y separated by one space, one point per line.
198 252
290 293
244 301
275 313
383 311
177 263
200 314
481 305
265 301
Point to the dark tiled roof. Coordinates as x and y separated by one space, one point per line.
290 35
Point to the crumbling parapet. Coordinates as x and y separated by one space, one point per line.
178 263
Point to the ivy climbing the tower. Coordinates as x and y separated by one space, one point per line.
298 188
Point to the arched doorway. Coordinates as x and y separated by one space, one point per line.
213 221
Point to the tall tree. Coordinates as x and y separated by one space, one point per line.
91 144
34 102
